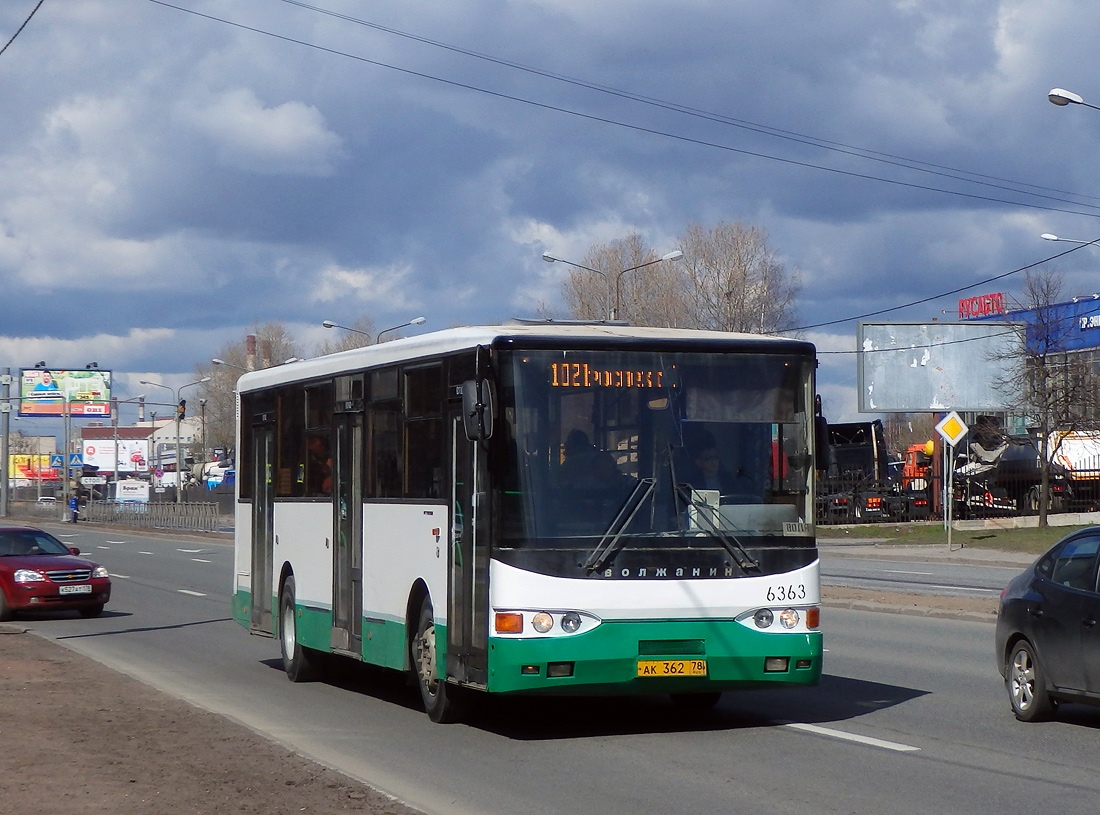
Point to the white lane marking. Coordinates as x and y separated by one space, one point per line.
966 588
145 553
120 576
190 551
200 560
116 541
840 734
192 593
103 547
900 571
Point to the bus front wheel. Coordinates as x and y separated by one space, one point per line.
440 699
298 661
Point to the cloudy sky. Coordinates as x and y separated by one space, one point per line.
174 172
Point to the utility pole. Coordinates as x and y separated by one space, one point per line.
5 428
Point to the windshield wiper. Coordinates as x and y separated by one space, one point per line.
612 540
705 517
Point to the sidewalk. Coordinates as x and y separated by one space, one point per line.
880 548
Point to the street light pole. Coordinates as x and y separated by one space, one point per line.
675 254
217 361
179 446
1048 237
413 321
613 313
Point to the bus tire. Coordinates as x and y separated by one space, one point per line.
441 700
299 662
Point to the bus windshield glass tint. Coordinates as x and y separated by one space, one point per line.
658 451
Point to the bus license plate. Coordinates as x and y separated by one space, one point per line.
672 667
74 589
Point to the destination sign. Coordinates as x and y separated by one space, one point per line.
583 375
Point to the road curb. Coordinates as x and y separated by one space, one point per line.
911 610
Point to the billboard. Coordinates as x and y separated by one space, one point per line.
46 391
31 467
934 367
133 455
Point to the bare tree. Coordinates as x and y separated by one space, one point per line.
902 430
265 345
729 280
735 281
1049 385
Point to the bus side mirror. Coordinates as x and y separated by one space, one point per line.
821 443
477 409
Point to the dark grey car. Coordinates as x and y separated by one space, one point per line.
1048 629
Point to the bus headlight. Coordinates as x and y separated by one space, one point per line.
542 622
570 622
788 618
763 618
781 620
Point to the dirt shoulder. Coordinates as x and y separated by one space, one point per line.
79 738
976 609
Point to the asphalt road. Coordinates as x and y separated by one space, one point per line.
911 716
948 578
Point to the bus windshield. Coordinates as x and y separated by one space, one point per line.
627 457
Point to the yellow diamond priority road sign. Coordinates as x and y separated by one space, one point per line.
952 428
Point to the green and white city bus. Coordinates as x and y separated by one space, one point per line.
536 508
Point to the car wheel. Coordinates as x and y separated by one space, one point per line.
5 610
91 611
441 701
298 661
1026 685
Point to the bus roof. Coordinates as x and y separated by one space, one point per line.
539 333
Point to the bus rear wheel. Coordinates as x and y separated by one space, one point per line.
441 701
298 662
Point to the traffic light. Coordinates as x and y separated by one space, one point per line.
181 411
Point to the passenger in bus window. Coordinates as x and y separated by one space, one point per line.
710 474
320 466
586 467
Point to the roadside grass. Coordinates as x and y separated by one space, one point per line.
1031 540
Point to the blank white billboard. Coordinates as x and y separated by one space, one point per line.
933 367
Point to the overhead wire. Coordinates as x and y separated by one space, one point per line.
801 138
20 29
935 296
813 141
640 128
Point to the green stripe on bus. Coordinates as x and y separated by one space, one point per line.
606 658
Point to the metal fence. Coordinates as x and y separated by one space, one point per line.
191 517
986 495
194 517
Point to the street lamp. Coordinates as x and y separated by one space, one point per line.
179 449
217 361
1048 237
1062 97
413 321
612 313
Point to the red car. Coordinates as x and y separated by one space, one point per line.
40 573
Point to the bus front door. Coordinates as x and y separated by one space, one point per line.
347 550
263 510
468 601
